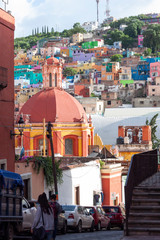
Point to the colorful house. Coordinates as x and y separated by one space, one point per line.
154 70
29 73
82 56
141 71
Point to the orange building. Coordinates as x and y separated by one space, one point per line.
72 132
133 139
111 184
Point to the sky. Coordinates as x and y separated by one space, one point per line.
62 14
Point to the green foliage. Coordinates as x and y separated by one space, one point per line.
116 58
152 37
45 163
102 164
69 72
148 52
137 54
152 123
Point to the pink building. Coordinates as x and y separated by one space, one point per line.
140 40
154 70
154 90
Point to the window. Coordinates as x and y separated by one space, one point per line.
141 102
50 80
109 77
153 90
55 79
69 146
108 102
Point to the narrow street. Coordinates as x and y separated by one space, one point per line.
114 234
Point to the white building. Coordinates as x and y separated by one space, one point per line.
90 26
80 183
22 81
49 51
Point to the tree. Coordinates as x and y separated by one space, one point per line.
77 25
69 72
131 30
127 41
116 58
152 37
52 30
152 123
148 52
116 35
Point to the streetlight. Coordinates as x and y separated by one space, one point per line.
20 128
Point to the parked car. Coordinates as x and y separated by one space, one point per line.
100 220
116 215
62 221
28 215
78 218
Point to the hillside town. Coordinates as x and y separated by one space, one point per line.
81 107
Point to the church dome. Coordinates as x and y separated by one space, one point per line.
55 105
52 60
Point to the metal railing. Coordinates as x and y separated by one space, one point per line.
143 165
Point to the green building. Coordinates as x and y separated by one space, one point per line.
28 72
87 45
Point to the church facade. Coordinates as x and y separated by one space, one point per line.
72 131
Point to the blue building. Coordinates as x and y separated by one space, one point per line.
141 71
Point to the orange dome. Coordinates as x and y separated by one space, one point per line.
52 60
54 105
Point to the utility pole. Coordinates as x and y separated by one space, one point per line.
97 10
49 135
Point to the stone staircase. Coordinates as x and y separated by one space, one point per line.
144 216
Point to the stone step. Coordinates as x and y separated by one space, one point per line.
142 194
147 188
134 231
145 209
144 223
145 202
145 216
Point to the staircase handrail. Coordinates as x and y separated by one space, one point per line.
143 165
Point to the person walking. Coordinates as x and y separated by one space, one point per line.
43 219
57 209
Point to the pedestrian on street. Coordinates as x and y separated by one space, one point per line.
57 209
43 218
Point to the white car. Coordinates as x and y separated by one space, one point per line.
78 218
28 215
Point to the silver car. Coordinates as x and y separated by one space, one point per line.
28 215
78 218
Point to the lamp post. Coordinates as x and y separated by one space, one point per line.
49 135
20 129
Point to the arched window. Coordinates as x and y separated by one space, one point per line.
50 80
68 146
55 80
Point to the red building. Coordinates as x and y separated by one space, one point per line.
7 150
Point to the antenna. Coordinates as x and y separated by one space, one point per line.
97 10
5 3
107 9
